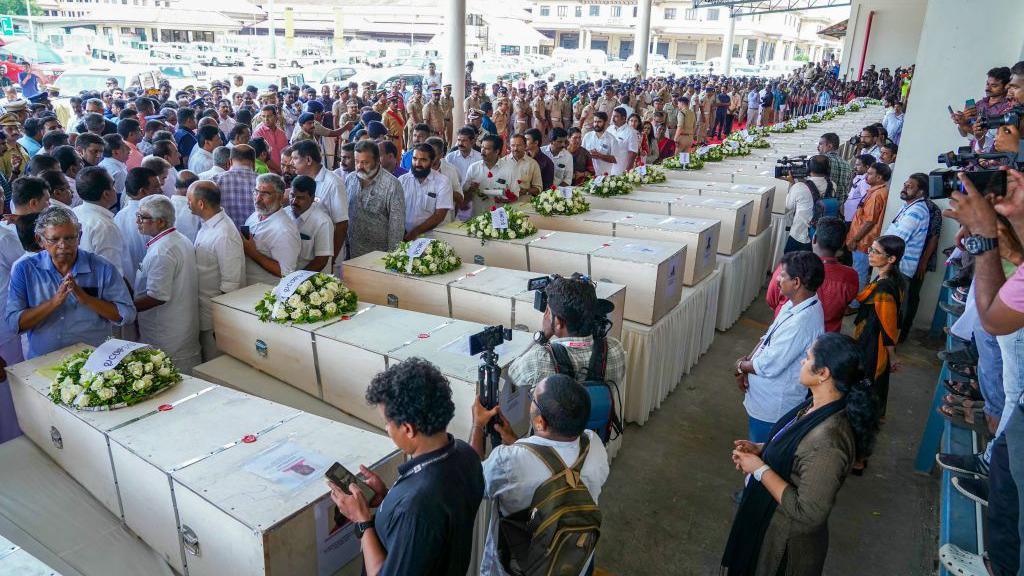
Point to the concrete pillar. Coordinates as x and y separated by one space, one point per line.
455 64
730 33
643 34
673 49
271 30
952 37
585 37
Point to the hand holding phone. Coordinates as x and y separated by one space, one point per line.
342 478
246 233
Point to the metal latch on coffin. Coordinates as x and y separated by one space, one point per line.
262 348
56 438
392 300
189 540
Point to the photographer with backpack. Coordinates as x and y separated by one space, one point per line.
545 486
574 342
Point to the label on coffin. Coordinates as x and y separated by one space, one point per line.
566 192
336 542
290 283
684 158
641 170
108 355
288 465
499 219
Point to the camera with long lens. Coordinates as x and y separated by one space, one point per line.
600 324
942 182
797 167
1010 118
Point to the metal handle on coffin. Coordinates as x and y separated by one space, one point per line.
392 300
261 348
56 438
189 540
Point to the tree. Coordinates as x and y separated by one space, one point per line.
17 7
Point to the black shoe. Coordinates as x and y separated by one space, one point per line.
973 488
963 464
960 355
953 308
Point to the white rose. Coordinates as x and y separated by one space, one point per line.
427 257
328 295
433 267
66 396
294 300
82 401
334 286
547 206
560 207
305 287
296 315
331 308
139 385
97 383
135 368
493 233
315 313
423 269
105 393
164 371
148 367
301 308
314 299
66 382
451 260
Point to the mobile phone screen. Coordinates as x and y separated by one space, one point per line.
245 232
342 477
970 103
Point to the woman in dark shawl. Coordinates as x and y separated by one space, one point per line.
781 526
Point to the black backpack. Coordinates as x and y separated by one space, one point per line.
605 402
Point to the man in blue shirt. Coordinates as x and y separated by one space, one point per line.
185 135
62 295
770 375
33 133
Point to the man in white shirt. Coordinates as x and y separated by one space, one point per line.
272 244
315 227
185 221
168 152
428 195
224 119
200 159
221 163
492 176
560 157
141 182
100 234
513 471
629 142
464 155
331 194
463 208
220 262
167 286
115 153
800 201
433 79
602 145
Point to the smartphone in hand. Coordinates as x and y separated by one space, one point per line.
246 233
342 477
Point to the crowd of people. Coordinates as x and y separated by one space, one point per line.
127 213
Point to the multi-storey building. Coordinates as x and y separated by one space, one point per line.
679 32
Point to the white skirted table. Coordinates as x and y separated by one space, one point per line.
779 234
657 356
743 275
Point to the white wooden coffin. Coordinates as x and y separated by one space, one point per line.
581 223
739 176
499 296
635 201
763 197
284 351
77 440
734 215
375 284
699 235
244 524
653 273
352 351
504 253
147 452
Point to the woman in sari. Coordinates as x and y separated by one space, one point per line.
781 525
877 325
645 142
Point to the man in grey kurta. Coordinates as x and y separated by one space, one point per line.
376 204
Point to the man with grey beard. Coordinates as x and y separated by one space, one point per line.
376 204
270 237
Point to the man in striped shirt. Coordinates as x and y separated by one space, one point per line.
912 224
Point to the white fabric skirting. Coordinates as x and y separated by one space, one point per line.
743 275
658 356
779 235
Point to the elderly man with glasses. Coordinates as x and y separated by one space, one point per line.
64 295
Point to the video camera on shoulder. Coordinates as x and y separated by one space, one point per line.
797 167
601 324
1010 118
942 182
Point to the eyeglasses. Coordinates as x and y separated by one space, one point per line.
142 217
67 240
872 250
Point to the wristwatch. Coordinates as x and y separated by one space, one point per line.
760 472
362 527
976 245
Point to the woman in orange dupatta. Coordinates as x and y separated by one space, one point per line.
877 326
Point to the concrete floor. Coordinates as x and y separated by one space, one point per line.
668 503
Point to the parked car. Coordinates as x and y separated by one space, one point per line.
181 74
19 56
94 77
329 74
